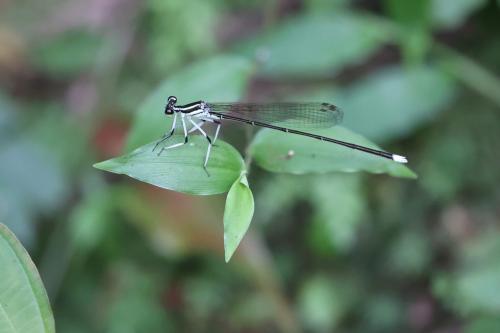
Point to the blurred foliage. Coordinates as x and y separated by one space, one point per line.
69 54
327 251
290 50
450 14
472 287
180 25
413 18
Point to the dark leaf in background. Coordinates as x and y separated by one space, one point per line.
483 325
474 288
136 305
171 27
67 54
382 313
393 102
409 254
315 44
449 14
339 206
32 182
324 301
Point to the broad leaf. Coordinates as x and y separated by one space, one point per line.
339 206
394 101
24 305
223 78
324 301
281 152
452 13
237 215
390 103
483 324
312 44
181 169
474 286
68 53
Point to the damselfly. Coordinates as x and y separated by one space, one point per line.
286 117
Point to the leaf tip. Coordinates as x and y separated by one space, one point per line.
410 174
228 250
107 165
99 165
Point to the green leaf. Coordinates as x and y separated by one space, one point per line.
483 325
24 305
135 307
337 40
323 302
271 150
237 215
410 254
338 209
391 102
382 313
394 101
223 78
474 286
68 53
181 169
453 13
409 13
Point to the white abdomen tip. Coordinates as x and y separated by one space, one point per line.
399 158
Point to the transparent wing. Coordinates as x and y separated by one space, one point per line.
290 115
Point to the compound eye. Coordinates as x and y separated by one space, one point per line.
172 100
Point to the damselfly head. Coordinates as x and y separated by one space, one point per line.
169 108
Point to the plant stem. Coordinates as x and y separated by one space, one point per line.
248 155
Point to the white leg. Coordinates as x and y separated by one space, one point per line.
206 136
166 136
208 155
217 131
212 119
180 143
195 128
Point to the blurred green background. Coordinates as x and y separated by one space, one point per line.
325 253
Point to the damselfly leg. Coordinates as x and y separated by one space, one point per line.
197 126
206 137
166 136
180 143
